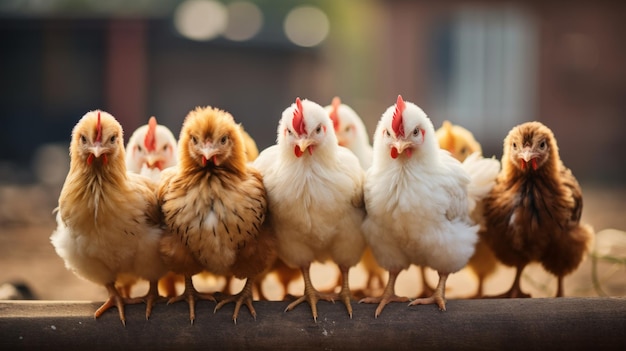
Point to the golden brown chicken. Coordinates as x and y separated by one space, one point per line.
461 143
533 212
108 219
214 205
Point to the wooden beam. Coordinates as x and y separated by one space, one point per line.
489 324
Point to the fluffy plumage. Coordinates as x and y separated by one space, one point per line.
352 134
461 144
108 219
314 189
350 131
150 149
533 212
417 202
214 205
459 141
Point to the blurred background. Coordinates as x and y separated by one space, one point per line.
487 65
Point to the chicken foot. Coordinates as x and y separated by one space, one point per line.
311 295
438 296
191 295
243 297
389 294
150 299
115 299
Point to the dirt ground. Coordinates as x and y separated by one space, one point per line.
26 255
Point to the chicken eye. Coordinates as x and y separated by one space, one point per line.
348 128
416 131
194 140
387 133
463 150
139 148
224 140
113 138
289 131
165 147
514 146
83 139
318 129
542 145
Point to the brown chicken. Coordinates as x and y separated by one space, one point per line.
461 143
108 219
214 205
533 212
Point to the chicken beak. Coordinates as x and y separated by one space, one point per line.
151 161
402 145
97 150
208 152
304 144
527 154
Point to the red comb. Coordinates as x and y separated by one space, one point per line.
298 118
99 129
396 122
150 140
334 112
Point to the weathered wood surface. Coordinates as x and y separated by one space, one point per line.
491 324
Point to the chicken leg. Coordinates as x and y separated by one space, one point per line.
438 296
311 295
389 295
115 299
191 295
244 296
515 291
151 298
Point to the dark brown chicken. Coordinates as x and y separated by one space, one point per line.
533 212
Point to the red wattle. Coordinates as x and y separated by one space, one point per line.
215 160
204 161
90 159
534 163
310 148
394 152
105 159
522 164
297 151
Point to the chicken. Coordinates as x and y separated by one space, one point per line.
108 218
150 149
461 144
418 200
457 140
352 134
214 205
533 212
351 131
315 198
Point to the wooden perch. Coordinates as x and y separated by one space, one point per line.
490 324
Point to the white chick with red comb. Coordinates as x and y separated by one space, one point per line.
315 198
418 200
150 149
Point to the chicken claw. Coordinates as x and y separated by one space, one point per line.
244 297
311 295
150 299
388 295
115 299
438 297
191 295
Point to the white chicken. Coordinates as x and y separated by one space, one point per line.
418 200
352 134
151 149
351 131
315 197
